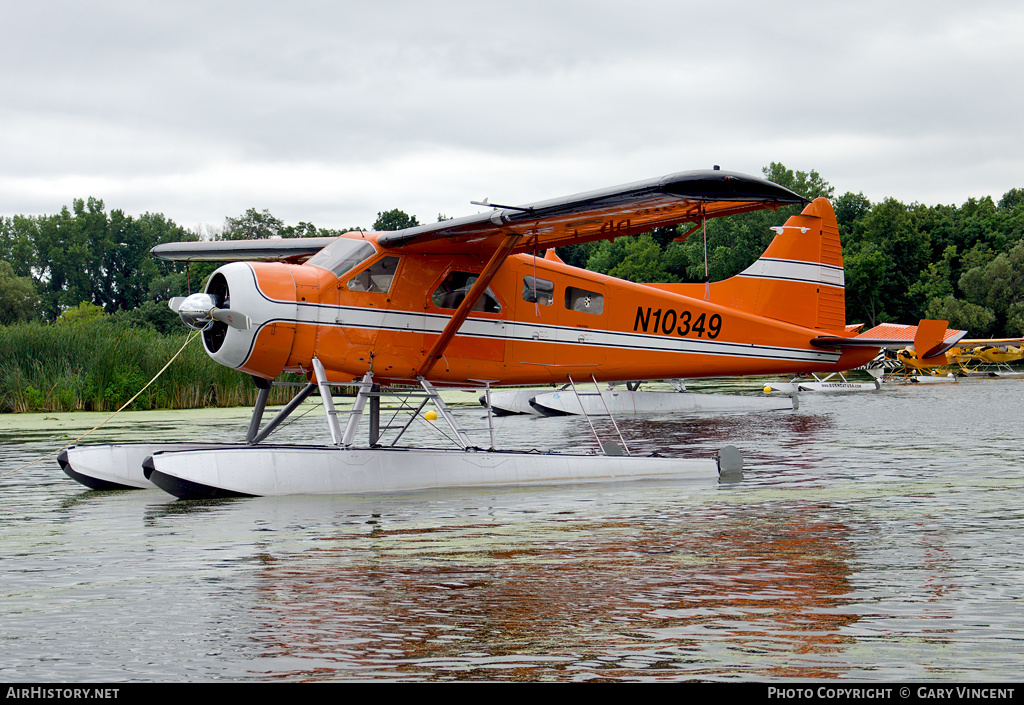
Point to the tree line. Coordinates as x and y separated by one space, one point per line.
85 261
903 261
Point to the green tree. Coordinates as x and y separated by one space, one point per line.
1012 199
935 281
18 297
577 255
997 286
394 220
866 268
733 244
82 254
807 183
64 254
1015 320
850 208
252 225
905 252
16 246
82 313
977 320
636 259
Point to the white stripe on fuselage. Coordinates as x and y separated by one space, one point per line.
423 323
497 329
795 270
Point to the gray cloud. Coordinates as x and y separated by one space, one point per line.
329 113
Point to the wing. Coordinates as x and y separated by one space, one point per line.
597 215
631 209
284 250
995 342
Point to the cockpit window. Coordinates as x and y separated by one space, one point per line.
454 289
375 278
538 291
343 255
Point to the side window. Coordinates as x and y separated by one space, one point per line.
583 300
540 290
454 289
376 277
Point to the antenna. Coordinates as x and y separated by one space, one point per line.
486 202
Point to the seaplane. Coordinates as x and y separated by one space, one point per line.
831 382
969 357
472 302
936 358
993 358
666 397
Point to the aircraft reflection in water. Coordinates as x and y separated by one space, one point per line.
467 599
469 302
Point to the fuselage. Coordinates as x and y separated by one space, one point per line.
358 307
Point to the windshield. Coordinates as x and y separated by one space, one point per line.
342 255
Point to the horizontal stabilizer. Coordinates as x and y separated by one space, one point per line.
937 336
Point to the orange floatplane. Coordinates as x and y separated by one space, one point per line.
471 302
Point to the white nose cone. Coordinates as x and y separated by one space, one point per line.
240 311
195 311
198 311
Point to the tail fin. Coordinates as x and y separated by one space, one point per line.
799 279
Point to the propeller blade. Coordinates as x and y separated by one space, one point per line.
175 303
235 319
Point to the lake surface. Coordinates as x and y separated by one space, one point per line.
874 536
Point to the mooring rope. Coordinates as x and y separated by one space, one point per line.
191 336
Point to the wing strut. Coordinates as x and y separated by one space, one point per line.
475 292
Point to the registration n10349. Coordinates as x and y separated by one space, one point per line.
671 322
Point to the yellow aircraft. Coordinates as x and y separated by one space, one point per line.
982 352
999 354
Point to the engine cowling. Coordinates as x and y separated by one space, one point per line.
265 293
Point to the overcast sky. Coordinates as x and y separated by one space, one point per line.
328 112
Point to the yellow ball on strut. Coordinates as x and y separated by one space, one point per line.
430 415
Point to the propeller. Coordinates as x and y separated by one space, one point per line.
199 311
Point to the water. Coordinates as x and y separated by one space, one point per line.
874 537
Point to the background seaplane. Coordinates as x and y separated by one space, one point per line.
884 334
993 357
625 399
469 302
974 356
832 382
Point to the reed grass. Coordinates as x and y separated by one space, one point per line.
98 365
